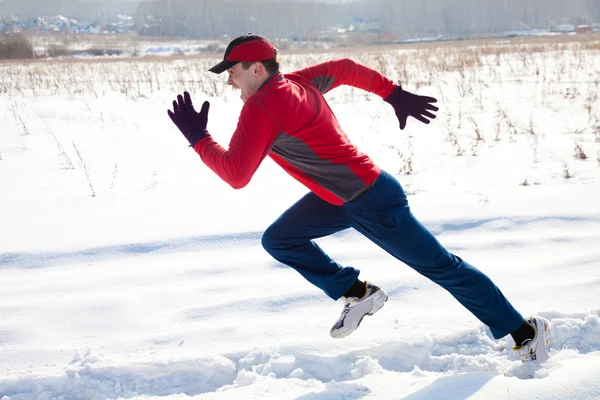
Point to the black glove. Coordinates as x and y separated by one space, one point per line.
407 104
191 123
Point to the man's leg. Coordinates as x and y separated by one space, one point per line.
289 241
382 214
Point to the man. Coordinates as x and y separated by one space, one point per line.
286 118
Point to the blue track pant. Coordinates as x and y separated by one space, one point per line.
382 214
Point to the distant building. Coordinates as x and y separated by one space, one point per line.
361 24
580 29
563 28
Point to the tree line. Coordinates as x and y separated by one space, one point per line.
405 18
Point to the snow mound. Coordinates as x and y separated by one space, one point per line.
92 376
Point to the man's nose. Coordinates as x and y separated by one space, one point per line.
229 80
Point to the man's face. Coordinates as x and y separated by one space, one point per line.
247 80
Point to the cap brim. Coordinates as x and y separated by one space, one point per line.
222 66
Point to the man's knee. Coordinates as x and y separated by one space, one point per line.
270 239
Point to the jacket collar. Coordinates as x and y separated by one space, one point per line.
269 78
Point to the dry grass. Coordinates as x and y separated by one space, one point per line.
478 82
463 66
579 153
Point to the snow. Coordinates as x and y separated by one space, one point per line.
129 270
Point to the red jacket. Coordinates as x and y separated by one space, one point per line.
289 120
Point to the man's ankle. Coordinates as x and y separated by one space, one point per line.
523 333
358 289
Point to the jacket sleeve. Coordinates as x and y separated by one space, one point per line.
251 142
331 74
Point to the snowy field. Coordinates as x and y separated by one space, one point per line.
129 270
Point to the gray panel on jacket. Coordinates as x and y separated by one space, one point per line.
323 83
337 178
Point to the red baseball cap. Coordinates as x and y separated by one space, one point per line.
250 47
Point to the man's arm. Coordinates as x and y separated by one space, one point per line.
251 142
331 74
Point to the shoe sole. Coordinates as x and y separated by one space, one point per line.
548 334
377 305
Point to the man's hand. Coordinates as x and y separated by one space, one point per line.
408 104
191 123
